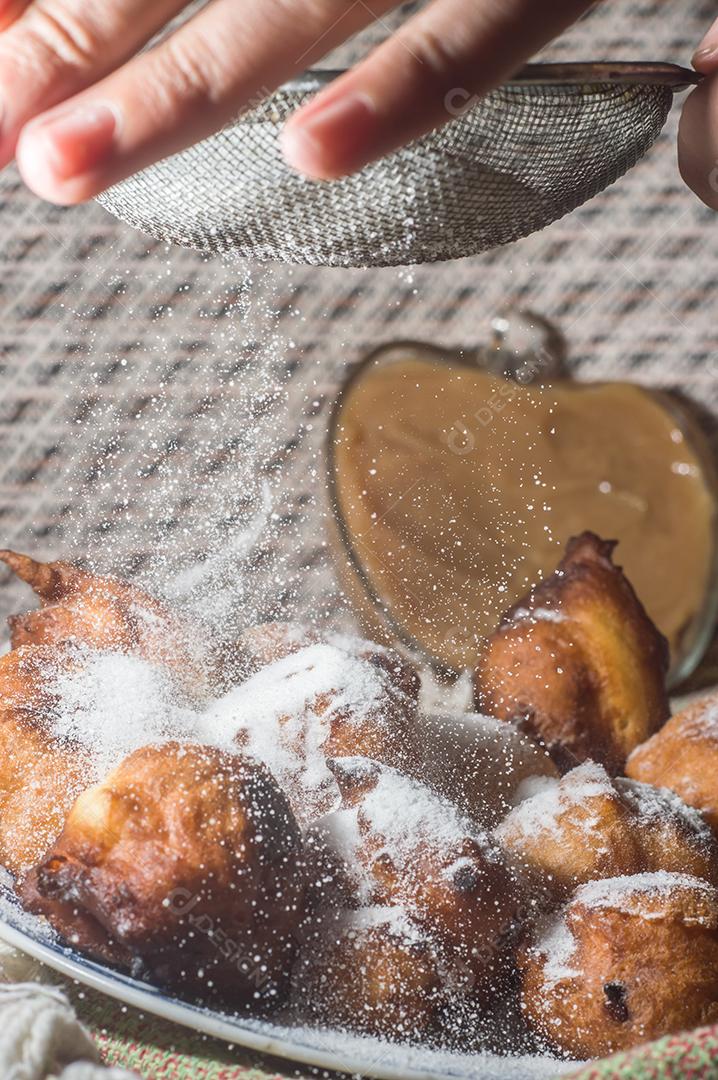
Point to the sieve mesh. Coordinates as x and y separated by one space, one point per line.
518 159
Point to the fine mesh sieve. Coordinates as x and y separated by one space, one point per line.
516 160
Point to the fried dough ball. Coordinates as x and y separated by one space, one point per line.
579 660
374 721
683 756
258 646
40 775
105 613
185 862
376 971
588 826
403 846
476 762
400 672
323 700
628 960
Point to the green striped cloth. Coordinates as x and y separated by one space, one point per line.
159 1050
693 1056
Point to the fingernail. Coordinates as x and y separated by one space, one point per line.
76 140
707 48
332 139
700 56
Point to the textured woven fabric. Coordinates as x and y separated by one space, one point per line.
162 1051
40 1036
679 1057
122 1037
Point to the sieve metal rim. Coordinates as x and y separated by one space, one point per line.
589 72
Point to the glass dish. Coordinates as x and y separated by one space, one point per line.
526 350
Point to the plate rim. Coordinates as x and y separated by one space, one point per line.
202 1020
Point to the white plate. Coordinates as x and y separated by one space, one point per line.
320 1047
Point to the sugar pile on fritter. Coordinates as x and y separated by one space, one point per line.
112 704
302 708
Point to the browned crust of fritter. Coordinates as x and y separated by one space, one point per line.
578 661
103 612
187 860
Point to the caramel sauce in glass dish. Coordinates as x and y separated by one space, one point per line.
455 489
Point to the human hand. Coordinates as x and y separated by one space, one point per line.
698 131
82 108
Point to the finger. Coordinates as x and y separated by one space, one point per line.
228 56
10 10
58 47
698 142
418 79
705 58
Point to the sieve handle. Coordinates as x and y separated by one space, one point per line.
623 72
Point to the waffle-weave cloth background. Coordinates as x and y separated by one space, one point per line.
154 404
145 392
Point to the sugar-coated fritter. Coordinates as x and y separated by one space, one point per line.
376 971
579 661
683 756
185 863
263 644
629 959
427 840
404 846
40 775
332 698
589 826
106 613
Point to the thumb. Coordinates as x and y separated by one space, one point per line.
705 58
698 142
